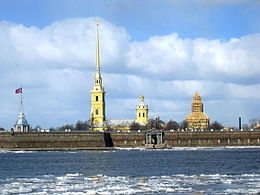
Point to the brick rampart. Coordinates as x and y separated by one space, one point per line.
68 140
128 139
212 139
98 140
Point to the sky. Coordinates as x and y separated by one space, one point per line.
167 50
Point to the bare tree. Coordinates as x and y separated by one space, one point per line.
135 126
253 122
216 125
68 126
171 125
152 123
80 125
184 124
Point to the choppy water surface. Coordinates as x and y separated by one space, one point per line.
136 171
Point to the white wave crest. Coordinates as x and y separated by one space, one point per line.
76 183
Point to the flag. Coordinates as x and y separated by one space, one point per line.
20 90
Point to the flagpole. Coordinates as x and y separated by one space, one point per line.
21 102
21 99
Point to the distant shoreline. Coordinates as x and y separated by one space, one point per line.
126 148
56 149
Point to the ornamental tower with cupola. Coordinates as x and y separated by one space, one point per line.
197 119
142 111
21 124
98 115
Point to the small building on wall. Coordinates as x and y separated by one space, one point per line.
197 119
154 136
21 124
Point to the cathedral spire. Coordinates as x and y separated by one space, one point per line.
97 115
97 60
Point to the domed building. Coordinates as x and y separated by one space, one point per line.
21 124
197 119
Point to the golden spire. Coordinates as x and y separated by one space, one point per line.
97 60
142 97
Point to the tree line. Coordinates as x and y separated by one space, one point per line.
252 123
171 124
152 123
80 125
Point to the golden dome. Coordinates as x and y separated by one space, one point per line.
197 96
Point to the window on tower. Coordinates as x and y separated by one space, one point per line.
96 111
96 98
143 114
139 114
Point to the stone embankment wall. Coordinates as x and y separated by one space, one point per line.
191 139
99 140
57 140
128 139
212 139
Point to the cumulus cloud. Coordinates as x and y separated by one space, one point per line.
170 57
56 64
68 43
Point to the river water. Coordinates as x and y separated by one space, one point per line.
132 171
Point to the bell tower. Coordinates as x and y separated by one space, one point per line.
97 116
142 111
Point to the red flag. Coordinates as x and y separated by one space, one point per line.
20 90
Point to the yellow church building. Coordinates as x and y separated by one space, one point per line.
197 119
98 114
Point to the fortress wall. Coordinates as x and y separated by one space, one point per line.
186 139
63 140
136 139
99 140
242 138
